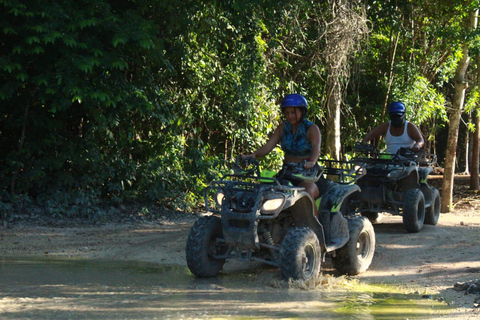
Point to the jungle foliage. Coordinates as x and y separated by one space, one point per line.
147 101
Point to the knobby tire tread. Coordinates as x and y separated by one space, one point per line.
413 219
432 213
198 260
345 259
293 241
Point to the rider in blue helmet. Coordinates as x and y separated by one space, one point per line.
299 138
396 107
398 132
396 112
294 100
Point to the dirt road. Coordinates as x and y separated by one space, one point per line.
436 258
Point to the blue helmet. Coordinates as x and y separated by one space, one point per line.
294 100
396 108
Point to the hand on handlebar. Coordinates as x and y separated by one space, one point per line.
415 147
244 156
365 147
309 164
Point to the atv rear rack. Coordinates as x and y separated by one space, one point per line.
343 172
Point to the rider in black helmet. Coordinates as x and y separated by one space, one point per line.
398 132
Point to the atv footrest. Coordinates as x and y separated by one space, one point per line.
336 243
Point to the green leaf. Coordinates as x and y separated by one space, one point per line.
33 39
87 23
38 50
120 64
9 30
119 39
77 98
10 67
146 44
41 80
21 76
69 41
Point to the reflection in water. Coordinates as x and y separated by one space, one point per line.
77 289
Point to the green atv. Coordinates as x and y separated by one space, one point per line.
396 184
258 217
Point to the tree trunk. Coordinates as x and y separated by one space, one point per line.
451 151
342 38
475 162
391 75
467 150
332 135
474 172
455 116
20 148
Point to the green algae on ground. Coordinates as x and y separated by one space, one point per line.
390 302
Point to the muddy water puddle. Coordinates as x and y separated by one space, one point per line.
78 289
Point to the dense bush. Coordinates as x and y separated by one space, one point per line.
147 101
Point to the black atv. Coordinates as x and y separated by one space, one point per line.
396 184
266 218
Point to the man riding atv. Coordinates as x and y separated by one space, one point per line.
396 180
398 132
396 184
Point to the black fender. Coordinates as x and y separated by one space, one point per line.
330 215
332 200
303 216
423 173
411 179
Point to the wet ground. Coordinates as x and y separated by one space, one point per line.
54 288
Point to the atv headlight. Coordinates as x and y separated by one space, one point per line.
219 198
272 205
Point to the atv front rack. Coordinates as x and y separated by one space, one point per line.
240 201
254 187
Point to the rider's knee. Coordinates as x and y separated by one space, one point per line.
311 189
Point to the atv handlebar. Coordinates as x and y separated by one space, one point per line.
408 153
249 166
296 171
366 149
246 165
404 155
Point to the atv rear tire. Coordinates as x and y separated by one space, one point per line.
202 245
413 210
357 254
432 213
300 255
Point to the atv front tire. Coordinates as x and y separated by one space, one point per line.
300 255
357 254
202 244
432 213
413 210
